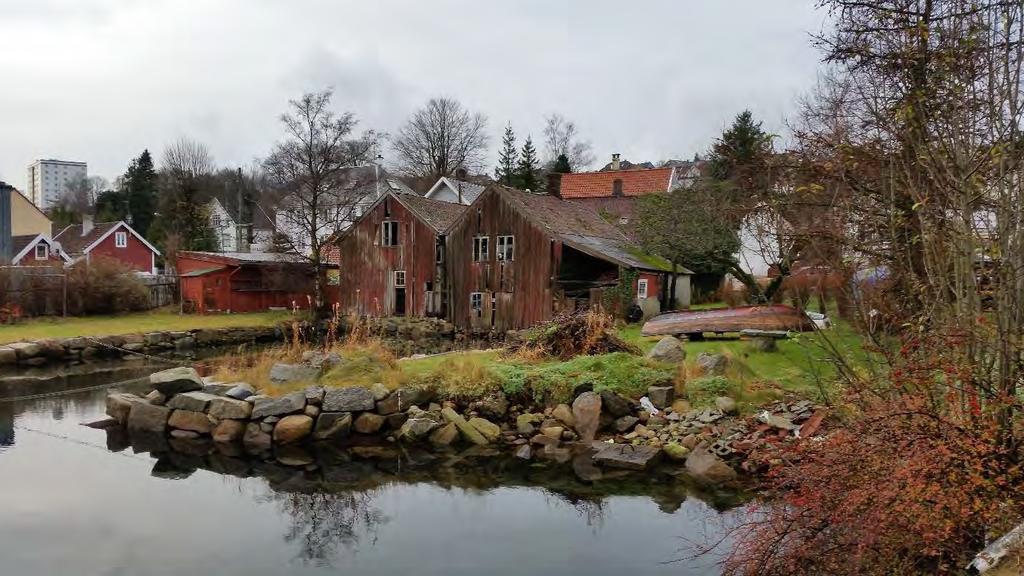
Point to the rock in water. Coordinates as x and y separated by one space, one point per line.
669 350
524 452
284 373
189 420
628 456
586 410
229 408
488 429
494 405
255 439
287 404
417 428
292 428
661 396
119 405
368 423
176 380
193 401
354 399
332 426
444 435
145 417
705 467
228 431
468 432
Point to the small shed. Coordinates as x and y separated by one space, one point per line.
243 281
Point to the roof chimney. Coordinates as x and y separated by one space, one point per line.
87 224
555 184
615 162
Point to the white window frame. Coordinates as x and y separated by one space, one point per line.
506 248
481 249
641 288
45 252
399 276
476 303
389 233
120 239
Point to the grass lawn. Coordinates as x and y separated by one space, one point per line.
162 319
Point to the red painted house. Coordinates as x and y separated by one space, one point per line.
112 240
392 260
515 259
243 281
37 250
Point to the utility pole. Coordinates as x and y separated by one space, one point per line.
239 226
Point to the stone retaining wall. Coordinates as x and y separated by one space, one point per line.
41 352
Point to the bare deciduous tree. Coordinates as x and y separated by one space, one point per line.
185 179
310 167
562 137
440 138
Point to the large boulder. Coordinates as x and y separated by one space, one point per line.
417 428
26 350
229 408
280 406
445 435
401 399
332 426
176 380
726 404
291 429
669 350
354 399
494 405
119 405
712 364
189 420
661 396
616 404
468 431
145 417
194 401
586 410
368 423
708 468
8 355
628 456
285 373
228 431
563 413
488 429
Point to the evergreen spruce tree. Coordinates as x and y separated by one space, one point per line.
740 148
140 189
527 167
562 165
508 158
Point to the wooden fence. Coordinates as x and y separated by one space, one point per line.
43 291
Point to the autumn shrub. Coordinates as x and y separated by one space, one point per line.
105 286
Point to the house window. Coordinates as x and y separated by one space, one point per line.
121 239
42 251
481 249
476 303
641 288
389 233
399 278
506 248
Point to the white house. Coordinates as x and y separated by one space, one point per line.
454 191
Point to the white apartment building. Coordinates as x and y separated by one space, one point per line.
47 180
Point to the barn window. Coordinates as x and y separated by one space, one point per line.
438 252
476 303
399 278
121 239
428 286
641 288
389 233
481 250
42 251
506 248
617 187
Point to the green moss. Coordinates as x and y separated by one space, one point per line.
656 262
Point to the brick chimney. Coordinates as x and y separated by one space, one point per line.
615 162
555 184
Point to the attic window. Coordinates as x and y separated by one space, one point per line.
121 239
42 251
617 187
389 233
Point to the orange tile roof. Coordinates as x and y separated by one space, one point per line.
601 184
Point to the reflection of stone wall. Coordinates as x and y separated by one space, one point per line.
6 424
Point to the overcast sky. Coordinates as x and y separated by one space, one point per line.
100 80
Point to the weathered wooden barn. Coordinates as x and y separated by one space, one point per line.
516 259
243 281
392 260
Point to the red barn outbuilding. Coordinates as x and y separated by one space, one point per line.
392 260
515 259
243 281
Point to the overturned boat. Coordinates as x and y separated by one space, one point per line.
776 318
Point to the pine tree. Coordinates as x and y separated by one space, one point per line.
507 158
741 147
140 189
562 165
526 169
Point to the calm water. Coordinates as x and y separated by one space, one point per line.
70 505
